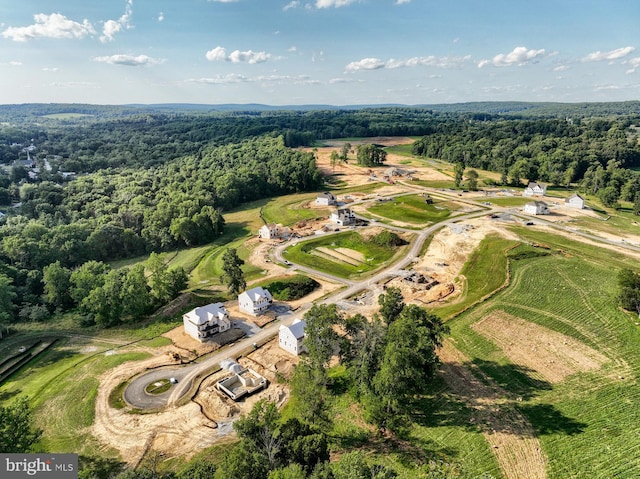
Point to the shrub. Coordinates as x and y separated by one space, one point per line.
388 239
289 289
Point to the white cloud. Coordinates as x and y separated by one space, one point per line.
333 3
431 61
49 26
111 27
560 68
519 56
233 78
365 64
400 2
610 55
128 60
220 79
334 81
12 63
249 56
160 16
634 64
236 56
50 69
217 54
290 5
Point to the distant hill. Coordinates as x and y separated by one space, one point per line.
75 113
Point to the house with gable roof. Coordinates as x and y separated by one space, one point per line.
255 301
575 201
536 208
274 231
535 189
203 322
291 338
326 199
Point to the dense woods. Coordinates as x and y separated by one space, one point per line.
598 153
118 213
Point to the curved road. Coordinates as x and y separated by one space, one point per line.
186 375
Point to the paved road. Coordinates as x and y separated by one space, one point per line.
135 394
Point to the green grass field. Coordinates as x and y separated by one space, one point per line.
290 209
507 201
484 273
374 256
62 385
413 209
586 423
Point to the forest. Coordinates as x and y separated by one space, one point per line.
120 181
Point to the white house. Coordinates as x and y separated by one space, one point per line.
202 323
290 338
536 208
273 231
575 201
326 199
535 189
269 231
255 301
343 217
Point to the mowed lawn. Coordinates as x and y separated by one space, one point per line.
309 253
587 422
413 209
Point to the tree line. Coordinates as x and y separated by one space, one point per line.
596 153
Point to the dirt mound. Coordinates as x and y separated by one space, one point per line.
551 355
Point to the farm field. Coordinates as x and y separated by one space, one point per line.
344 254
566 358
413 209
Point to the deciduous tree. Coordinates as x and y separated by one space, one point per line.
233 275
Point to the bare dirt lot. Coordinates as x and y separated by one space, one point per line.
357 175
550 355
448 252
184 430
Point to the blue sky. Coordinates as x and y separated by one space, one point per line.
318 51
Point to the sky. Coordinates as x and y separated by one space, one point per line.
337 52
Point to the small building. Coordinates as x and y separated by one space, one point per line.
202 323
343 217
535 189
536 208
291 338
326 199
575 201
255 301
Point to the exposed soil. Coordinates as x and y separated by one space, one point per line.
547 354
184 430
446 255
513 441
